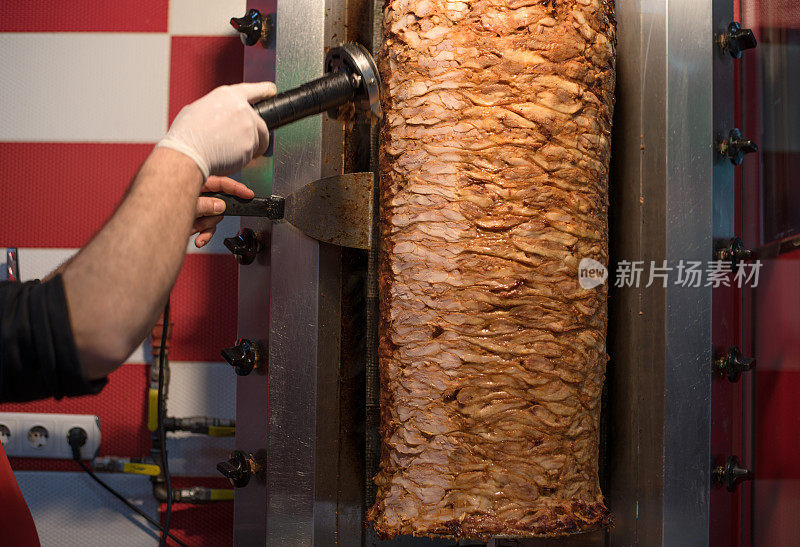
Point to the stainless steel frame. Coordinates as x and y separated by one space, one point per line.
303 427
660 339
299 499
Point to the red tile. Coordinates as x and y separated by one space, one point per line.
772 14
777 424
198 64
91 180
59 194
121 407
204 302
776 321
775 522
264 6
85 16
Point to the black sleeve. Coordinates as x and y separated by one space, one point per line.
38 357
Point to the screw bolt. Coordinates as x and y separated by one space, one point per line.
253 27
237 468
243 357
735 147
737 40
733 363
245 246
731 474
735 251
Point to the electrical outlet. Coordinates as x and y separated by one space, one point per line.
27 435
9 435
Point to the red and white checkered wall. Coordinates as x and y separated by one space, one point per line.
86 89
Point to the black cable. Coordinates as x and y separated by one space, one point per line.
126 502
161 433
120 497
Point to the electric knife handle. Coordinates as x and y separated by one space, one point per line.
330 91
270 207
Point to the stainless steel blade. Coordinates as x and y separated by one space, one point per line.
335 209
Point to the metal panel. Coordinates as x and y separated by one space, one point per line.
303 427
304 419
660 338
635 380
687 380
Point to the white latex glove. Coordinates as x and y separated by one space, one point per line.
220 131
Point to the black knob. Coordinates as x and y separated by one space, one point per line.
243 357
735 251
245 245
738 39
731 474
733 363
237 468
735 147
250 27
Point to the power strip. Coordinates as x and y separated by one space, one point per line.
27 435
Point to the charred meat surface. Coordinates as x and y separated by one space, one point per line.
494 185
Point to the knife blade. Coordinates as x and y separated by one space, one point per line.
335 209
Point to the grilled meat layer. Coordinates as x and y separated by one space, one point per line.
494 185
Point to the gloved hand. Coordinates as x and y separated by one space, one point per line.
220 131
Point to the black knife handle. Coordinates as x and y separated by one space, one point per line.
330 91
270 207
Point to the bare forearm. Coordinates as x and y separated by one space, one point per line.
117 285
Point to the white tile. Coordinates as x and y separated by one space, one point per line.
229 226
201 389
141 354
80 86
38 263
71 509
35 263
197 455
204 17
